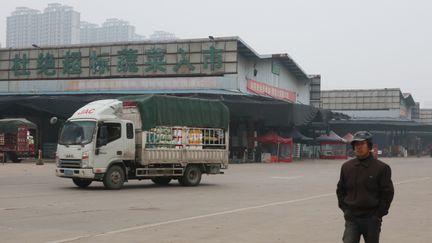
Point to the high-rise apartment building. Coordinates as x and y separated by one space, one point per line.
89 32
160 35
21 27
60 25
112 30
57 25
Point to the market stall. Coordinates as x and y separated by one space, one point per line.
279 147
332 146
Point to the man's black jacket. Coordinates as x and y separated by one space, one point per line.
365 187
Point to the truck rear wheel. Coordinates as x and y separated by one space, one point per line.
191 176
114 178
83 183
161 180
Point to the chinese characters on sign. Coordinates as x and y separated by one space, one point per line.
99 64
19 65
127 61
184 61
72 63
213 57
46 64
133 60
268 90
155 60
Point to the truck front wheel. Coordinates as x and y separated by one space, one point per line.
114 178
191 176
83 183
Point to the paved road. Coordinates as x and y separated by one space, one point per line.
286 202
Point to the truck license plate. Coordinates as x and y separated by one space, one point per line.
68 172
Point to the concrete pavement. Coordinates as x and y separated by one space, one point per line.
283 202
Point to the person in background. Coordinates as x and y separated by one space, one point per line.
364 192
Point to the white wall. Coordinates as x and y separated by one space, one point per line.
285 80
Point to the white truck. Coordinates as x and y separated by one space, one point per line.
144 137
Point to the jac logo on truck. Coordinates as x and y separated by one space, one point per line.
86 111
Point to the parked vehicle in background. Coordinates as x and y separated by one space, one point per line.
155 137
17 139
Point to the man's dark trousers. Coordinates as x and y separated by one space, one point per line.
369 227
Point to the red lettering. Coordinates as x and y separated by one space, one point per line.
86 111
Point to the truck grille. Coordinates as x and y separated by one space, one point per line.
70 163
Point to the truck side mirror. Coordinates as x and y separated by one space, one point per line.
53 120
102 138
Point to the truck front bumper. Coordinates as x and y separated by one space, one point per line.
75 173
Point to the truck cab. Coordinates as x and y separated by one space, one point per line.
92 140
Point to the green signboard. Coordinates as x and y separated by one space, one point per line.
155 59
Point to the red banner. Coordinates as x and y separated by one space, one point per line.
268 90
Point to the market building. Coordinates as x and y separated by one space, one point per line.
391 115
262 91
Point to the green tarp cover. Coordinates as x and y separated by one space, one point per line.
161 110
11 125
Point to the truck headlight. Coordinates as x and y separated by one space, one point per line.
85 158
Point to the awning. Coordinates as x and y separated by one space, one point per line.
62 106
348 137
273 138
331 137
273 112
10 125
298 137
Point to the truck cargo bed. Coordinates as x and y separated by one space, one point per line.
150 156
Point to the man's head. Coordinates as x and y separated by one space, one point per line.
362 144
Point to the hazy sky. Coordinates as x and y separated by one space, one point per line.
352 44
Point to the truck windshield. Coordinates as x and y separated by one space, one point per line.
77 132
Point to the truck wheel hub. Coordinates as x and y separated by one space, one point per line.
115 177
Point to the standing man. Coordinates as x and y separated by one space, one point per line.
365 192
